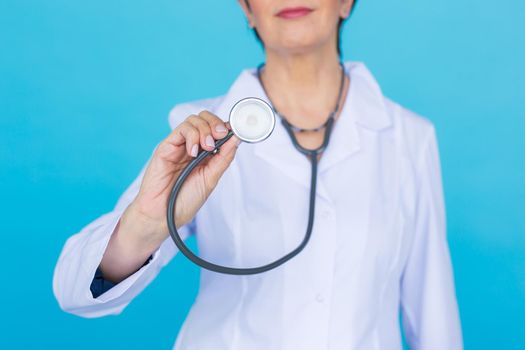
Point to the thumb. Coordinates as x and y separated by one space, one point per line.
220 161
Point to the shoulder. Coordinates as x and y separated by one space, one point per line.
417 135
408 128
413 129
416 141
181 111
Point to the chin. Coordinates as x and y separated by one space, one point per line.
298 48
297 43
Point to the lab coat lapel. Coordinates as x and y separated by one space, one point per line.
363 107
278 149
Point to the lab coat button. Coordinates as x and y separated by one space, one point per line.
319 297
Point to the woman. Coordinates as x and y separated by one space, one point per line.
379 239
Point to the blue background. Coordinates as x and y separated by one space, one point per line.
85 88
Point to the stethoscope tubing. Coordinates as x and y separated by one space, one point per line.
312 154
172 228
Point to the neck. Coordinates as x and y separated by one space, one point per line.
303 87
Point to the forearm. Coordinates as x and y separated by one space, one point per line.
131 244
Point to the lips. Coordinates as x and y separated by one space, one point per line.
294 12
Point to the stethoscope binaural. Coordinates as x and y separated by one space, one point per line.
253 120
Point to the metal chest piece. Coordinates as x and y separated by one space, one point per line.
252 120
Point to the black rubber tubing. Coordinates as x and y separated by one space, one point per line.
311 154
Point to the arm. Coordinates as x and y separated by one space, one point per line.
83 253
428 300
120 242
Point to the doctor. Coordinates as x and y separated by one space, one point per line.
379 238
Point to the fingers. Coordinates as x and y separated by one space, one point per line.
218 164
191 136
199 130
218 128
206 140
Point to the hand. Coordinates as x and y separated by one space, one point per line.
169 159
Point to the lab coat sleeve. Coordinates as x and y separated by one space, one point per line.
82 253
429 308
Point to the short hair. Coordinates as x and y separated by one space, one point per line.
339 27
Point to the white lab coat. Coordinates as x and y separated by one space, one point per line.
378 244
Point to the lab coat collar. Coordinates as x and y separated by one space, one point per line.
363 106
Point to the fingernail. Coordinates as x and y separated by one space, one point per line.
237 142
194 150
209 141
220 128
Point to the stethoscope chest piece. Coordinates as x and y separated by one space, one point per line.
252 120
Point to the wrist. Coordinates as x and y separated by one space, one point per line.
143 233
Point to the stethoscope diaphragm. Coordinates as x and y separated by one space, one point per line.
252 120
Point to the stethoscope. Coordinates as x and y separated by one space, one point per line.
252 120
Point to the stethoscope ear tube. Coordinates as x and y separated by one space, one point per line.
172 227
310 152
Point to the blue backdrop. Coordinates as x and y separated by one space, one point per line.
85 88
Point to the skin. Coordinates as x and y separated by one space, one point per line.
301 76
302 73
